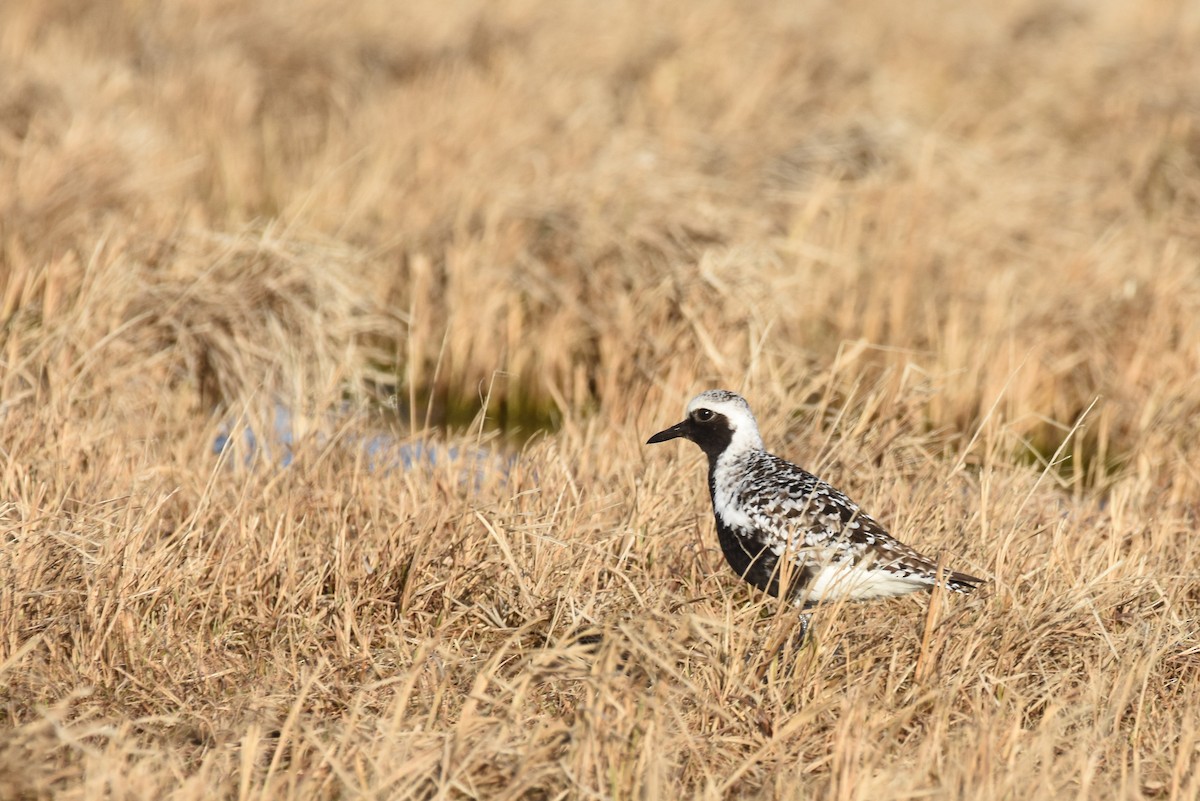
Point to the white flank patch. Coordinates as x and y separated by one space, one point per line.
734 516
855 583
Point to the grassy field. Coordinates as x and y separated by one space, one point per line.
950 253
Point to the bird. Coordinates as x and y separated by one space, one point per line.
786 531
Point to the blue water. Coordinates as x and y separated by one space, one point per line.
384 451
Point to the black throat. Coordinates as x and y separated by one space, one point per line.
713 437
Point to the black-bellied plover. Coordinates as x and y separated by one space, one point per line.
782 528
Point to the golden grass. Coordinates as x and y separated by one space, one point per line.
949 253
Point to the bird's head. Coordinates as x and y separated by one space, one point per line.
718 421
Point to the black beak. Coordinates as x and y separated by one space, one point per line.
683 429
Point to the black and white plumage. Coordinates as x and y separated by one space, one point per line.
781 527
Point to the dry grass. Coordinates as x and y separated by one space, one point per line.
950 253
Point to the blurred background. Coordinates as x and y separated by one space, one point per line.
573 205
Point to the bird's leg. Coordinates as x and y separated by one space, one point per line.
804 621
789 644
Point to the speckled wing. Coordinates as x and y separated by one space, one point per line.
795 511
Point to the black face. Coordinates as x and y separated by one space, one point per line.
708 429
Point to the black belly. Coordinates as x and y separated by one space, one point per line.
757 564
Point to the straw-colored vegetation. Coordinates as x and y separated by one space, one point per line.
950 252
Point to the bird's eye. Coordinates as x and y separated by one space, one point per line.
703 415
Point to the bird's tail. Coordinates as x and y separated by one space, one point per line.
960 582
